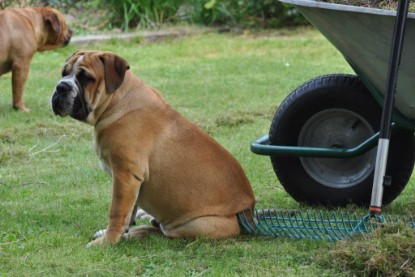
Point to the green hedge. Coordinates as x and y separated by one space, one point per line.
128 14
245 13
242 13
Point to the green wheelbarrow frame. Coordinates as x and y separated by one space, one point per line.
341 25
261 146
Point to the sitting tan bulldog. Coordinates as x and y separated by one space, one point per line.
23 32
159 161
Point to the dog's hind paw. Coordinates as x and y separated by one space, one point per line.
99 233
143 215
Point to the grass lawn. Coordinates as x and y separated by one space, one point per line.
54 197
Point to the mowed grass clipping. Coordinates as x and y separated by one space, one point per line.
54 197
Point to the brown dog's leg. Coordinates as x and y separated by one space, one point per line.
213 227
20 71
124 196
133 215
141 231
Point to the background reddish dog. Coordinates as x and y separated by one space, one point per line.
23 32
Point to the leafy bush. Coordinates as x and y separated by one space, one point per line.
246 13
131 14
243 13
140 13
24 3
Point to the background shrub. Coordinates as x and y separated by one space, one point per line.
245 13
144 14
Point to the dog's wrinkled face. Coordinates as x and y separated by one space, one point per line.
88 80
58 34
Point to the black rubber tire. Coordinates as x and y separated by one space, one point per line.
322 96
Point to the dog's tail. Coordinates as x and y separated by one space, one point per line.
253 221
247 219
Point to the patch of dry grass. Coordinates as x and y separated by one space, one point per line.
389 251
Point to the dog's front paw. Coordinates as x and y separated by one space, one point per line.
21 107
99 241
104 237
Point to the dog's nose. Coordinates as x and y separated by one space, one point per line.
63 87
67 38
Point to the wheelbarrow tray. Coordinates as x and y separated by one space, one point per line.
364 36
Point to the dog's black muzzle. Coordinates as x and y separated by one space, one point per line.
67 38
60 103
64 104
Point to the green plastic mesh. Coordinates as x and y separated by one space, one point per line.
312 224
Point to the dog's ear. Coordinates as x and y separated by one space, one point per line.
51 20
115 68
77 52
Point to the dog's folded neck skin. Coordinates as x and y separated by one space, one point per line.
95 115
124 98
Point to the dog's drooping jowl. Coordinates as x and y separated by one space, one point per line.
159 161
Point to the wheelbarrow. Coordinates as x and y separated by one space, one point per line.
323 140
340 139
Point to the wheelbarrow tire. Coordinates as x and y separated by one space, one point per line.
311 113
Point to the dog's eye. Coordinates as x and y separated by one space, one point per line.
83 77
64 72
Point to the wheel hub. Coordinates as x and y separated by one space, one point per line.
337 128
